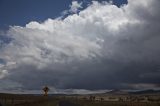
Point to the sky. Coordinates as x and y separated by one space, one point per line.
21 12
79 46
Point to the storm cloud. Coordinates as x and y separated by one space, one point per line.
100 47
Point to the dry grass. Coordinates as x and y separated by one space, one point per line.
31 100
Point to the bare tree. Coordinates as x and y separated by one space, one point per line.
46 89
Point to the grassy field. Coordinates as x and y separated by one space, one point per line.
40 100
102 103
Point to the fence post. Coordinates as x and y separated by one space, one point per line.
12 101
5 101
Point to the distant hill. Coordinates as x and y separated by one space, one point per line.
116 91
111 92
124 92
148 91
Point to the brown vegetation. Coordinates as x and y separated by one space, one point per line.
79 100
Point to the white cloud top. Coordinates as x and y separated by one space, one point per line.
75 6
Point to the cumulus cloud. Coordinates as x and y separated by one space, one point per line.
101 47
75 6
